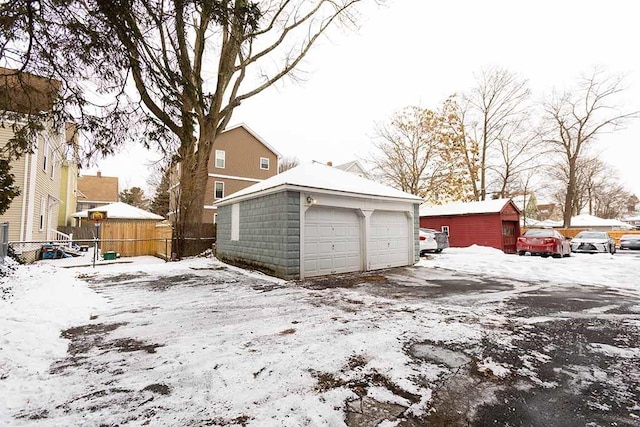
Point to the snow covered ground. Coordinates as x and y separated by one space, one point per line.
201 343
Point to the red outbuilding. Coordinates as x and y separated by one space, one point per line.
493 223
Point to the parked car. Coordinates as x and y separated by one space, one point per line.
441 238
543 242
630 241
428 242
593 242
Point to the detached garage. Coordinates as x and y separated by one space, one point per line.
315 220
493 223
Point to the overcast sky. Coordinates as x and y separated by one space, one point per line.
416 52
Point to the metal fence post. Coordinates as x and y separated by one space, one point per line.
95 251
166 250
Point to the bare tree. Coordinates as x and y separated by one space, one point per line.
576 119
191 62
420 151
407 151
496 114
287 163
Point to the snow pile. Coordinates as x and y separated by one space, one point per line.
44 301
619 270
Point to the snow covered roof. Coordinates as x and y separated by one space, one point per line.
465 208
586 220
318 176
120 210
353 166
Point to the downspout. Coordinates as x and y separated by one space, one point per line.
24 197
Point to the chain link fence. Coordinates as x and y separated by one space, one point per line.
89 252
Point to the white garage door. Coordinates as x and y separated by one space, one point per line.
331 241
390 240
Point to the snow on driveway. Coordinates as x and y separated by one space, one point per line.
201 343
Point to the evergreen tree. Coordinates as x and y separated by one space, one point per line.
8 190
134 196
160 202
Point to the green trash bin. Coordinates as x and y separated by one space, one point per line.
108 256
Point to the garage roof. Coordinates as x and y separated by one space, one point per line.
318 176
120 210
465 208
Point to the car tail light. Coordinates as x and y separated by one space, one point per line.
422 237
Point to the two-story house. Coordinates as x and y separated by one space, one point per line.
239 158
96 190
33 215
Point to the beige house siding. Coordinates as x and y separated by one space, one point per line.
14 214
68 185
35 185
243 153
47 185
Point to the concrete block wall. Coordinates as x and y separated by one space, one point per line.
269 235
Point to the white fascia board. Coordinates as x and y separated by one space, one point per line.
236 178
288 187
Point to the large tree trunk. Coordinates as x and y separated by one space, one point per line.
570 196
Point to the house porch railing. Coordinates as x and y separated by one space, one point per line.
64 239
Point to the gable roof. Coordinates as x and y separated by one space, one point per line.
120 210
467 208
97 188
318 176
349 166
255 135
26 93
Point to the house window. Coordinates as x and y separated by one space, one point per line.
445 229
45 154
264 163
219 190
52 166
220 159
235 221
43 210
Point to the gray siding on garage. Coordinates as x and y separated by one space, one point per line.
269 234
416 234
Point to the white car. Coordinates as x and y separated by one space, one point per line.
593 242
428 242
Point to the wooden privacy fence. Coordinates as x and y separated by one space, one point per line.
136 238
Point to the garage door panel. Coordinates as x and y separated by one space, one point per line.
331 241
390 239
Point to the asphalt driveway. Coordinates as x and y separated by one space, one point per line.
409 346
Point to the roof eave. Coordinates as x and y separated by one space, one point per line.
301 188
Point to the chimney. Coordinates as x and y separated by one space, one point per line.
99 174
329 163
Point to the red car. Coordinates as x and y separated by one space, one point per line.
543 242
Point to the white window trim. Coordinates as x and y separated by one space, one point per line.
235 222
221 155
268 163
215 191
43 212
45 154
